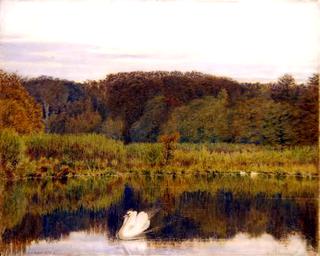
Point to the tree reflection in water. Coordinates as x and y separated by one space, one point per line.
205 209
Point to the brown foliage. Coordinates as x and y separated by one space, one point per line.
169 142
18 110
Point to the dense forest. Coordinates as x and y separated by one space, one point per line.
140 106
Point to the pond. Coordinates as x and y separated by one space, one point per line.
198 214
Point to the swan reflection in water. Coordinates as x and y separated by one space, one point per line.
135 225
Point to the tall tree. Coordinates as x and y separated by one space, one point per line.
128 93
202 120
285 90
54 95
248 118
307 126
18 110
278 127
148 127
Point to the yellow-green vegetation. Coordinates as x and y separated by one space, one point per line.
204 119
64 155
11 149
248 158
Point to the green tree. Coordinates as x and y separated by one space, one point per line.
205 119
278 126
285 90
307 124
83 123
128 93
61 101
112 128
248 119
148 127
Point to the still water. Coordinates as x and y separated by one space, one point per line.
195 215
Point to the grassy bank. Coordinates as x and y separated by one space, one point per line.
63 155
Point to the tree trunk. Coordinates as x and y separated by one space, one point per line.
45 109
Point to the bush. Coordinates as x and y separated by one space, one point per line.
154 154
169 142
11 149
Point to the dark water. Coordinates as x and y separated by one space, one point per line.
202 215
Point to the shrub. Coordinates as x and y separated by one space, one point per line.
169 145
154 154
11 149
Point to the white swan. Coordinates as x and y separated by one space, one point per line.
134 225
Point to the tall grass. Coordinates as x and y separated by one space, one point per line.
11 150
224 157
145 154
75 147
51 153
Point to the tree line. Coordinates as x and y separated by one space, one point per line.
141 106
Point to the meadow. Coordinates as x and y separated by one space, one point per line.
58 156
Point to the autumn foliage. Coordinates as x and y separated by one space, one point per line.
169 142
18 110
140 106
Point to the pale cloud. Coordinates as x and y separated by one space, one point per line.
249 40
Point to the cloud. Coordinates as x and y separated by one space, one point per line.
73 61
62 52
86 39
82 61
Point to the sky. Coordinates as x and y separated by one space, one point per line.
248 40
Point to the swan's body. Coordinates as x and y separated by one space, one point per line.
242 173
134 225
253 175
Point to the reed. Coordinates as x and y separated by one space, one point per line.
52 154
12 150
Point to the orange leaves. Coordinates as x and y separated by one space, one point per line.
169 144
169 138
18 110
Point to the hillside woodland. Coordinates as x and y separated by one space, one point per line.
141 106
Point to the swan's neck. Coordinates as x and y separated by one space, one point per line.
125 220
